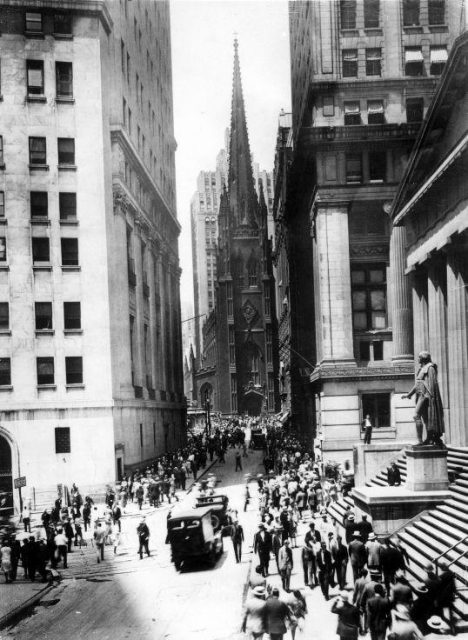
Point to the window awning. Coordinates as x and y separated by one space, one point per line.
413 55
375 106
439 54
350 54
352 107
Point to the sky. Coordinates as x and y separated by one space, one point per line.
203 32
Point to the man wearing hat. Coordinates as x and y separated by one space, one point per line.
365 528
357 554
368 593
446 594
373 548
262 546
285 564
253 621
312 541
324 565
348 617
275 614
350 528
402 625
378 613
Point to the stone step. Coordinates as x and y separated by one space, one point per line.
440 540
459 489
461 482
458 501
453 510
445 519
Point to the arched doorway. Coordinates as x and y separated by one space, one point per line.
6 478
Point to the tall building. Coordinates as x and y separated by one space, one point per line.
243 321
363 74
90 345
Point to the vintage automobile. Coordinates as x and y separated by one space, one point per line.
192 536
257 439
219 506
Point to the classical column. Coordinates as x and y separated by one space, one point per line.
401 299
457 305
437 316
333 281
420 314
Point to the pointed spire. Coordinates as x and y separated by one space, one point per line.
242 196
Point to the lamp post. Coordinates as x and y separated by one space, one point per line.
207 413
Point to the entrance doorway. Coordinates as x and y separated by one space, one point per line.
6 478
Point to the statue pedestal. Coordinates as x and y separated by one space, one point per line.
426 468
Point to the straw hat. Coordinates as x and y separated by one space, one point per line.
435 623
401 612
258 591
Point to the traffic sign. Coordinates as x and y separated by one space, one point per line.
20 482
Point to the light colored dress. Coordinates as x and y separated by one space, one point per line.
5 559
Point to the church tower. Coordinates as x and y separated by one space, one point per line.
247 367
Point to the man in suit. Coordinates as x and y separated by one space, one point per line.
324 565
276 612
359 587
312 541
285 564
237 537
262 546
378 613
357 554
340 559
348 617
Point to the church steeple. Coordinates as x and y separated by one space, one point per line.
242 196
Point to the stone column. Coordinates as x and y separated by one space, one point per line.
420 312
401 299
437 312
457 305
334 284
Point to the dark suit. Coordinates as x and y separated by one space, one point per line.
310 538
378 617
348 620
357 556
262 546
275 614
324 565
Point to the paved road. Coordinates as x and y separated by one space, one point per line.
127 597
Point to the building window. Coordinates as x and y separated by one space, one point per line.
348 14
2 161
35 77
66 150
439 57
271 392
2 204
352 113
266 298
232 345
62 440
69 251
5 372
371 14
71 315
375 112
353 167
4 316
40 250
229 302
37 151
414 110
33 22
410 13
43 315
252 273
269 343
67 206
369 297
436 10
233 393
373 62
350 63
377 406
64 79
377 166
45 371
63 24
368 223
414 61
74 370
39 204
3 250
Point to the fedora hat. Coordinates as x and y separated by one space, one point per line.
371 536
401 612
435 622
258 591
356 534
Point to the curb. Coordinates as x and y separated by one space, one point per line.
8 617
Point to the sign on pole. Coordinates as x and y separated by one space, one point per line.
20 482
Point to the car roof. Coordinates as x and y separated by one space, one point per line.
213 498
184 514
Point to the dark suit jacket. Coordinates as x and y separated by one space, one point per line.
262 546
324 560
275 614
378 613
348 620
310 538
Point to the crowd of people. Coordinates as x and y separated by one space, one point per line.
363 575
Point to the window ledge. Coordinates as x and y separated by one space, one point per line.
64 100
438 28
349 33
46 387
3 221
71 267
34 34
78 385
63 36
44 332
373 31
1 98
67 167
412 28
5 332
6 387
39 167
2 166
69 223
4 267
45 266
35 98
40 221
72 332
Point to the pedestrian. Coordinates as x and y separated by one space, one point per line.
61 548
262 546
373 548
446 594
324 565
99 539
5 560
116 516
367 428
348 617
393 475
86 516
340 557
253 622
238 457
401 592
365 528
27 519
350 528
237 537
143 538
69 534
368 593
139 493
359 586
276 613
285 564
298 607
378 613
403 628
276 543
357 554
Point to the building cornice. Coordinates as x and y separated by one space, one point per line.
340 374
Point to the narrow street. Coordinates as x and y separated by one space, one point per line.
126 597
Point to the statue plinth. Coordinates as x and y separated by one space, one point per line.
426 468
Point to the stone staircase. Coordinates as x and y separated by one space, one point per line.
436 530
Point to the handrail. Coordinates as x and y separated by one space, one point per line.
449 564
436 560
408 523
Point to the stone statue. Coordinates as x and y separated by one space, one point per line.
428 412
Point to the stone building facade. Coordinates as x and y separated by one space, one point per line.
363 74
90 347
431 214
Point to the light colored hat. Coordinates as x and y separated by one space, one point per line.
344 595
401 612
421 588
351 517
258 591
356 534
371 535
435 622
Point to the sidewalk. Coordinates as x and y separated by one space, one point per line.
21 594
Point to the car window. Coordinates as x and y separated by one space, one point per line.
193 524
177 526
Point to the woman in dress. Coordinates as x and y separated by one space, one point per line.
5 560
